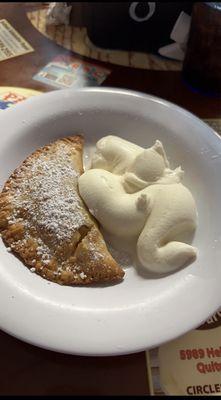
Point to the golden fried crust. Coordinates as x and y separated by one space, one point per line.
44 221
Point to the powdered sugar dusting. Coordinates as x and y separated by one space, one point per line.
43 252
47 195
82 275
52 203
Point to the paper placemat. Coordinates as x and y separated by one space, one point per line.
12 44
189 365
76 40
10 96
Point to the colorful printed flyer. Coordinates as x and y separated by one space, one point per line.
189 365
67 71
13 95
12 44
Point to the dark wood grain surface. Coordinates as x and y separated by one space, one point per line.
26 369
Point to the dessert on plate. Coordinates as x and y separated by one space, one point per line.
44 221
135 195
48 205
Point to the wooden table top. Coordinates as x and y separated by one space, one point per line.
25 369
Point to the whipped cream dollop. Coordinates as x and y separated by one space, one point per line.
135 195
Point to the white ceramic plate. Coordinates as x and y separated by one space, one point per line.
138 313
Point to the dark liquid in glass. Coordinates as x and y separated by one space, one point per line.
202 64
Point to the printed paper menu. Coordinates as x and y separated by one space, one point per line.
191 364
12 44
